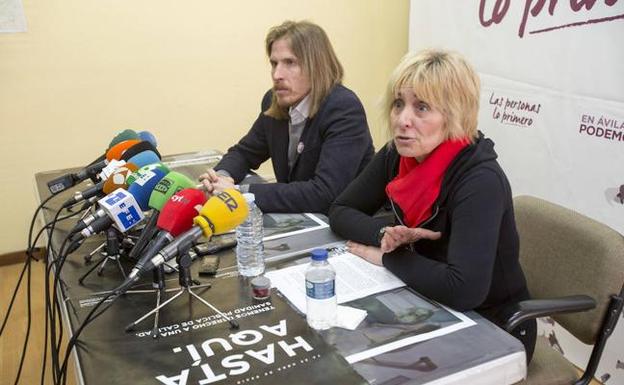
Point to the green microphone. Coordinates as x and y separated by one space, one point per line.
122 136
167 187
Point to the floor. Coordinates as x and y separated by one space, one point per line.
12 339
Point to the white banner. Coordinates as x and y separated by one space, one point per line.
552 100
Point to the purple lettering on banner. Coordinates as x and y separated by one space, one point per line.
514 111
535 7
535 10
497 13
576 5
604 127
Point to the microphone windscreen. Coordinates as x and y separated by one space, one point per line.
119 178
147 168
122 136
222 212
144 158
169 185
139 148
142 182
117 150
146 135
178 212
161 166
122 208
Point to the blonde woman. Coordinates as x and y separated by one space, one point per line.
453 238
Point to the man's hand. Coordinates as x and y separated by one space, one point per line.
396 236
371 254
215 183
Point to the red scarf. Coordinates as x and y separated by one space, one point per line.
418 185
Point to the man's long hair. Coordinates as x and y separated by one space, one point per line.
317 58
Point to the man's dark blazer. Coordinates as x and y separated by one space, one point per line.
336 146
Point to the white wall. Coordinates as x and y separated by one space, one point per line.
191 72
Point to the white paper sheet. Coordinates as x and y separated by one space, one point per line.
355 278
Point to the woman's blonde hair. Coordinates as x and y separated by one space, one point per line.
312 47
445 81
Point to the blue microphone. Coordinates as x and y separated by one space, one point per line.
144 158
148 136
144 182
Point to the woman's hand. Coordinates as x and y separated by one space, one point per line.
370 253
395 236
215 183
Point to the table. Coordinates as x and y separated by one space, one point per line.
191 336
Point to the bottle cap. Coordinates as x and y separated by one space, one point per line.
319 254
249 197
261 287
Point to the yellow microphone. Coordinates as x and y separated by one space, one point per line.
222 212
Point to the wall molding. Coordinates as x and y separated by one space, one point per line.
19 256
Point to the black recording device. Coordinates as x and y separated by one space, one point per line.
209 265
210 262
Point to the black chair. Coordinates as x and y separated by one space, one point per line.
572 264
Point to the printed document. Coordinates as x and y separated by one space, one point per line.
355 278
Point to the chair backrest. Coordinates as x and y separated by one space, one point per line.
564 253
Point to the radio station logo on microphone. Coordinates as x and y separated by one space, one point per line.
602 127
163 186
228 199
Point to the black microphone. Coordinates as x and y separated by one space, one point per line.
220 213
95 227
66 181
181 243
79 196
86 221
148 233
139 148
92 169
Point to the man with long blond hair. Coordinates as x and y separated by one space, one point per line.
312 127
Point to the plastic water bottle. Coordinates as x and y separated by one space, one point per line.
249 247
320 285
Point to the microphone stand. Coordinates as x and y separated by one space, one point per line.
187 284
112 253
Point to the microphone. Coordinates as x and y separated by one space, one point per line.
169 185
144 158
155 198
100 162
116 180
143 184
123 153
175 218
117 150
221 213
122 210
87 193
146 168
137 148
139 175
119 178
124 135
64 182
146 135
